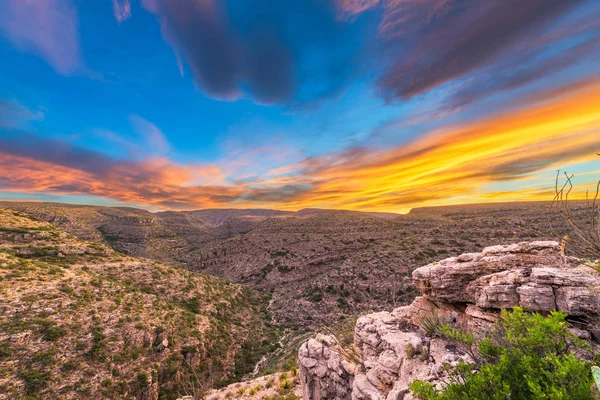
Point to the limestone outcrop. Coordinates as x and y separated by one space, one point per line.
327 374
391 350
533 275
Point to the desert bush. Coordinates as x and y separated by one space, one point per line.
584 222
431 324
528 356
284 386
596 386
585 230
410 350
53 333
420 351
34 380
96 352
289 396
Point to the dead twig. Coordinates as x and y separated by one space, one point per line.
586 230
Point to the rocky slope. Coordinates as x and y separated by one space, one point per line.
79 320
318 264
278 386
390 350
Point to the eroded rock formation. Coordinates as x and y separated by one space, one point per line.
331 374
390 350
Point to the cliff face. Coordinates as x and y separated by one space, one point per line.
391 350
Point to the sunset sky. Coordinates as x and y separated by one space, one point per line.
375 105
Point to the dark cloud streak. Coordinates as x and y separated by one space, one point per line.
507 76
457 39
54 151
289 52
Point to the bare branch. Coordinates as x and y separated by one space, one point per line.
586 229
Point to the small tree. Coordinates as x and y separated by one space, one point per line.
528 356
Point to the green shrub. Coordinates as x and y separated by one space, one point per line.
34 380
96 352
527 356
284 386
289 396
313 294
192 305
53 333
69 366
49 330
5 350
410 350
142 378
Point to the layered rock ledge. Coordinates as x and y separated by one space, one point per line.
390 350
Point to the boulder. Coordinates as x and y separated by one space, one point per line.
579 301
536 297
447 280
499 296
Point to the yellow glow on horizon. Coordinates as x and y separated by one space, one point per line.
456 161
444 167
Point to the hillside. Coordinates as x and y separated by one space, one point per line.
319 264
79 320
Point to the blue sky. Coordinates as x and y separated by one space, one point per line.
315 103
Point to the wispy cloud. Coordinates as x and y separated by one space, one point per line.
46 28
13 114
446 40
144 140
152 136
122 10
350 8
483 47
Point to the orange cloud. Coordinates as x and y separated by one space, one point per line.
449 166
154 182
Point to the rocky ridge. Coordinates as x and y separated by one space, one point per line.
390 350
319 264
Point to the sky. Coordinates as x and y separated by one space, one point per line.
373 105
